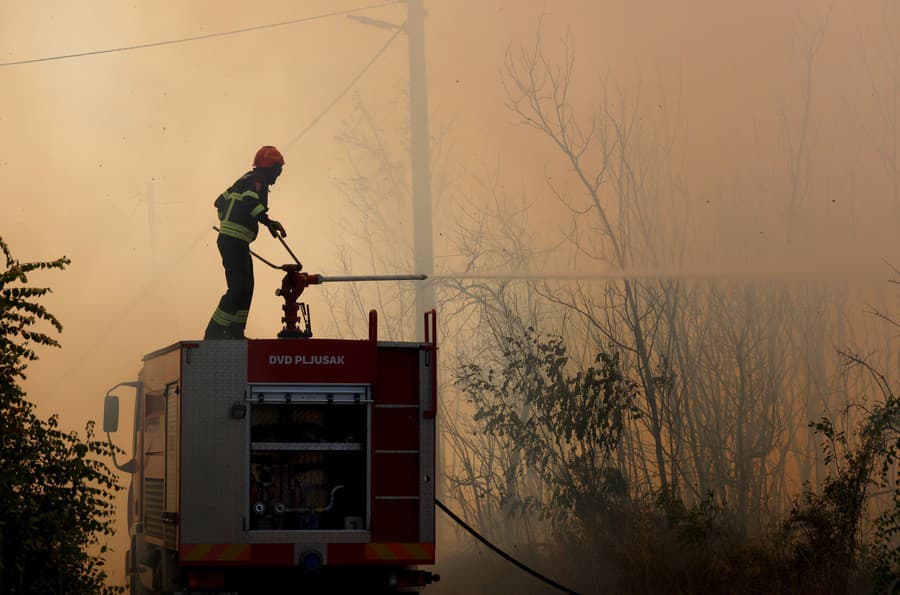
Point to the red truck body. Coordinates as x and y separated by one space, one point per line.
284 465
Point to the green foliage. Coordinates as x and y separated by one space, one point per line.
56 494
564 422
827 523
884 427
663 545
825 526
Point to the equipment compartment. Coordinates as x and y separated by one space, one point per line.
308 460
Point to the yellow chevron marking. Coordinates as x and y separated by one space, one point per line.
379 551
236 551
197 552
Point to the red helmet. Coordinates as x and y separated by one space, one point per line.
268 156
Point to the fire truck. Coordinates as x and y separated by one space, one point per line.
287 465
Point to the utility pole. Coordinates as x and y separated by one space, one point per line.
423 240
420 165
420 162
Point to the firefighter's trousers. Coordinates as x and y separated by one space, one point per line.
230 318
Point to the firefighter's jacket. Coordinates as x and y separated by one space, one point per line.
240 207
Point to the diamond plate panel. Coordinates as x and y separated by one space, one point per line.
213 444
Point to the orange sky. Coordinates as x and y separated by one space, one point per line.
84 142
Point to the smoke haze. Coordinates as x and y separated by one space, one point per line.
114 159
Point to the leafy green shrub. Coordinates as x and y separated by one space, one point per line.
56 494
563 421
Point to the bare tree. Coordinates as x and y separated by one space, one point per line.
729 373
712 359
616 204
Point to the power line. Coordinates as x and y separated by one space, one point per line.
201 37
343 92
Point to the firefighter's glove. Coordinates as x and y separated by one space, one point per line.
276 228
